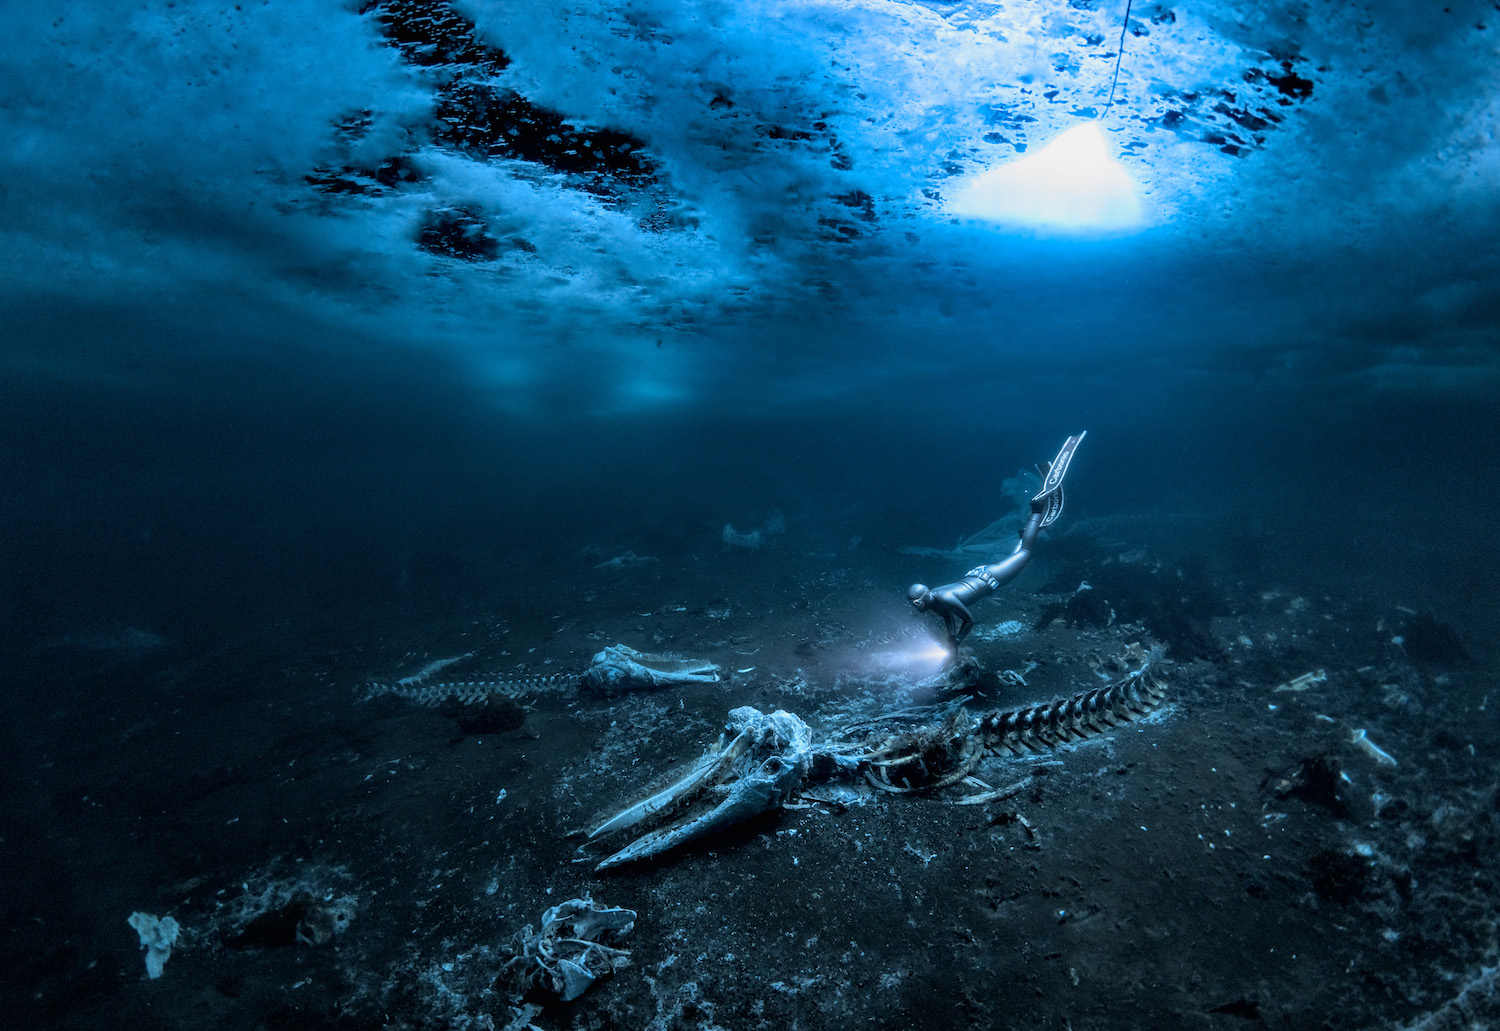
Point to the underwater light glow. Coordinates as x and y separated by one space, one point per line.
921 659
932 651
1072 184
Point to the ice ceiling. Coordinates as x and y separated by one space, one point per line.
655 202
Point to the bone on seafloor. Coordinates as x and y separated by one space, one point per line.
706 771
1380 755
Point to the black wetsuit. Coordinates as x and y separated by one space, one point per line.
952 601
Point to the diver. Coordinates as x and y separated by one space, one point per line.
952 601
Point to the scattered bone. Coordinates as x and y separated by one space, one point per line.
934 758
761 762
158 934
753 772
1380 755
471 691
432 667
1037 728
629 560
925 857
1306 680
617 669
995 795
1000 631
574 948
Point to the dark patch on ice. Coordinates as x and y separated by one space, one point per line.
859 200
1290 84
458 233
1251 107
485 122
481 118
1246 120
430 33
821 136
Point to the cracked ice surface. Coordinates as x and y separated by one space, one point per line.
490 180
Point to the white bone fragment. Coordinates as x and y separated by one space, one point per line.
431 668
1306 680
706 770
618 668
1380 755
626 561
574 948
158 935
996 795
755 773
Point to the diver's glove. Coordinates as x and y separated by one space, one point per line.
1049 500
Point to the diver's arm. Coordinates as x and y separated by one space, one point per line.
956 617
965 625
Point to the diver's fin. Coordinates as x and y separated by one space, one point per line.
1051 507
1049 500
1059 467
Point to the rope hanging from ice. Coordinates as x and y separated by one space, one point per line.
1119 53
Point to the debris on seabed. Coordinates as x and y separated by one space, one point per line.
576 946
629 560
1380 755
433 667
1306 680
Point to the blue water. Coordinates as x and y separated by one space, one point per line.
334 342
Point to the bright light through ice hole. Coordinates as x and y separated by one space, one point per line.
1071 184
